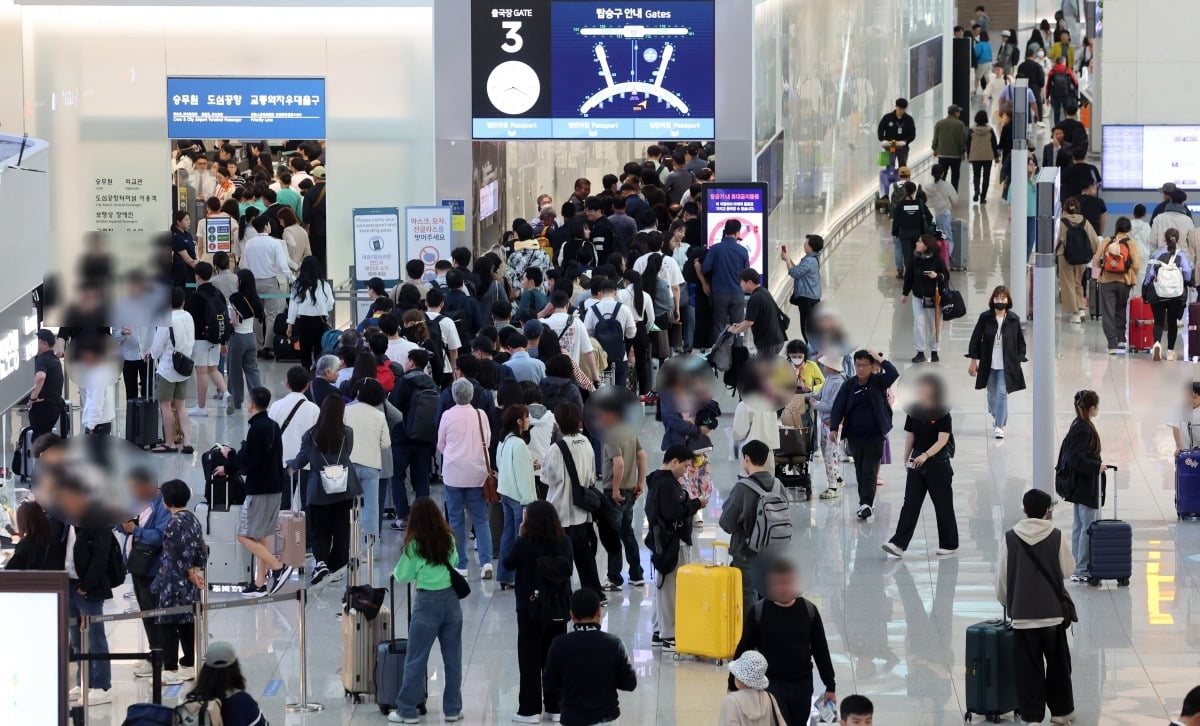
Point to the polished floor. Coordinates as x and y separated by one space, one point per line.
895 627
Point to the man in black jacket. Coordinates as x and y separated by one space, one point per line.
862 417
410 459
787 630
600 229
259 461
899 127
910 220
91 546
669 512
588 667
1033 70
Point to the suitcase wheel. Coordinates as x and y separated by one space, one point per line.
384 709
1093 582
1123 582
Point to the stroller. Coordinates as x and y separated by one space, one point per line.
796 431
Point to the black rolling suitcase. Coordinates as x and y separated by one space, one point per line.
1092 288
991 686
1110 543
141 419
389 658
1191 333
220 491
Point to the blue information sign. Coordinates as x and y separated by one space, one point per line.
246 108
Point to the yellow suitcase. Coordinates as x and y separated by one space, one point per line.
708 610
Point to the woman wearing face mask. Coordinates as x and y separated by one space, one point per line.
997 350
923 280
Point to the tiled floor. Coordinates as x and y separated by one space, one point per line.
896 627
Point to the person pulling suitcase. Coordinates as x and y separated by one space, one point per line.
1076 472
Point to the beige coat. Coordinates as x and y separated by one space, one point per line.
1130 277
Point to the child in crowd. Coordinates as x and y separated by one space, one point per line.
823 405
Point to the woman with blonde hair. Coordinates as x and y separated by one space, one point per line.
414 327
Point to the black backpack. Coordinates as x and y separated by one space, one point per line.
115 569
436 345
218 328
1077 247
610 333
462 321
1061 87
420 420
550 595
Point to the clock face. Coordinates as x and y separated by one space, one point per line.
513 87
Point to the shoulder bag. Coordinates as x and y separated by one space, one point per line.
491 485
183 364
458 583
1070 615
586 498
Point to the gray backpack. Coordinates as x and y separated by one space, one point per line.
772 517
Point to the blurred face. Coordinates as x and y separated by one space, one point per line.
862 368
782 586
1195 400
748 287
1058 136
583 189
1032 166
201 164
900 112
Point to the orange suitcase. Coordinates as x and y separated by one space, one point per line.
708 610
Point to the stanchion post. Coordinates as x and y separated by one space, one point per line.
303 706
84 667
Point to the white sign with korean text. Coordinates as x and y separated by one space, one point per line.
377 244
428 235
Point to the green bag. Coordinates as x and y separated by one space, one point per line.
885 158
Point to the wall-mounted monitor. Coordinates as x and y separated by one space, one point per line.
33 628
924 66
582 69
1146 157
489 199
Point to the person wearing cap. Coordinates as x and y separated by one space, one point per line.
822 403
1167 191
950 141
898 128
46 398
220 679
1009 54
314 215
1174 215
1189 715
722 268
749 704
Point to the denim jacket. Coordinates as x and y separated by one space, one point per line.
806 277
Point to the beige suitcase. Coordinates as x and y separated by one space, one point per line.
291 538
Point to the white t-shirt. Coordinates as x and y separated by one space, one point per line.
1189 428
305 419
399 349
625 295
450 338
572 334
670 268
998 349
604 307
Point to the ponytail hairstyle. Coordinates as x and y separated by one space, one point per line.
1171 236
1085 401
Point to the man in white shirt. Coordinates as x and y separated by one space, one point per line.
670 268
170 385
295 414
201 180
572 333
605 306
397 347
266 258
95 376
435 300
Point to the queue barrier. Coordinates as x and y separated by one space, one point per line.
199 611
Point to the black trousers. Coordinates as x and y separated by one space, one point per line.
901 156
533 643
981 176
1167 315
805 307
934 479
174 637
794 699
641 359
147 600
317 241
583 542
1042 664
329 525
867 453
954 166
137 383
309 329
44 415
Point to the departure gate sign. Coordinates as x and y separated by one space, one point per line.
245 108
587 69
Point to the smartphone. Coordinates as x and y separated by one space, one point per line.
783 249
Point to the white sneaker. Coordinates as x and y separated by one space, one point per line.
98 696
143 669
998 432
395 717
229 407
1170 355
196 411
187 673
485 572
74 693
518 718
171 678
554 717
942 551
892 549
461 570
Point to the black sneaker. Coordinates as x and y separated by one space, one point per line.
668 645
399 523
655 638
933 357
918 358
636 581
611 586
280 577
603 602
864 512
319 573
252 590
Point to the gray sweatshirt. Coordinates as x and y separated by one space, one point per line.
823 400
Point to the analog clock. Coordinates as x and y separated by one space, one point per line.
513 87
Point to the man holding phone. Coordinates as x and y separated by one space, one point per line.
862 417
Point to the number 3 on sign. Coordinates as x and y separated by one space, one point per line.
513 42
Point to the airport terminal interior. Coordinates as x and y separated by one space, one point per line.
408 129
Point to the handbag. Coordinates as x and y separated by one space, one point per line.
459 583
183 364
586 498
335 477
491 485
1070 615
141 558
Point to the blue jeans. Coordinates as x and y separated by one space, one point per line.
946 224
1031 229
414 461
687 315
436 614
1080 547
615 522
368 479
512 525
458 500
997 397
898 254
99 671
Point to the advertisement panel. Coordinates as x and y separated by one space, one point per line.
745 202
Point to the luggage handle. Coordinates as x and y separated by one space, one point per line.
407 603
1100 485
719 546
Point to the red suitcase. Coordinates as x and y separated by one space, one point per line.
1141 325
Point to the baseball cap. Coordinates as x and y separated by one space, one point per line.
533 329
219 655
318 172
954 108
1005 34
1168 188
904 171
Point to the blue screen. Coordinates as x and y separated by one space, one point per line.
246 108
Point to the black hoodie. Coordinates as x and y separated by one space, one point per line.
669 511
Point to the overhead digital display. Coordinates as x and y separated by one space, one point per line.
582 69
1146 157
747 202
246 108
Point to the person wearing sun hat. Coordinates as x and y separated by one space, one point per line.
220 679
749 703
